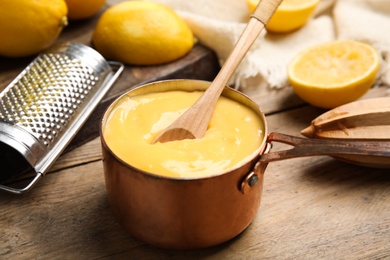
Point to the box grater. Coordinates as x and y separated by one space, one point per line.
42 109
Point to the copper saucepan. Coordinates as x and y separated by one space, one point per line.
197 213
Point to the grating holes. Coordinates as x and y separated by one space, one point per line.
52 89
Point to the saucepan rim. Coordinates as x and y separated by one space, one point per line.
177 83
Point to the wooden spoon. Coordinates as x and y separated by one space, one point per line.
193 123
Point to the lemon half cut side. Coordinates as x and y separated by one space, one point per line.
334 73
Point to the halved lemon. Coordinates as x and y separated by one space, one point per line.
334 73
290 15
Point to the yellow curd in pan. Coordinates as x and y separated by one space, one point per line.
234 133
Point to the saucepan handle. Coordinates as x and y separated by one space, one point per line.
303 147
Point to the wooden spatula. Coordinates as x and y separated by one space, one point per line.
193 123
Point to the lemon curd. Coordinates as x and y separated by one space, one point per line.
234 134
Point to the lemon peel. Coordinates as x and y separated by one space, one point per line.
28 27
84 9
142 33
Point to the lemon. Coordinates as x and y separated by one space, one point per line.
290 15
334 73
82 9
142 33
28 27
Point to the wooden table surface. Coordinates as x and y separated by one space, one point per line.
312 208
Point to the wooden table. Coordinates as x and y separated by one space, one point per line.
312 208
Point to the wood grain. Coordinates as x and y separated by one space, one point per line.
312 208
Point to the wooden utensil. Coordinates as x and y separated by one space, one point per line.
193 123
363 119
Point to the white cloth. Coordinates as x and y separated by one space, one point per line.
218 24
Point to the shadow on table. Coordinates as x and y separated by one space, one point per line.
110 240
334 172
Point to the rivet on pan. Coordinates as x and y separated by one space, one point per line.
253 180
249 181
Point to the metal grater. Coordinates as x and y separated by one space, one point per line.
47 103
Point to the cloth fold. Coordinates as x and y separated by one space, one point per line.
218 24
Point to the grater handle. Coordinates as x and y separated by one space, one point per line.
37 177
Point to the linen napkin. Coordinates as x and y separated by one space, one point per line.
218 24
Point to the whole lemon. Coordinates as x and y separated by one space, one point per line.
28 27
82 9
142 33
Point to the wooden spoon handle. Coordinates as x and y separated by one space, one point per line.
193 123
265 9
303 147
260 17
256 24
